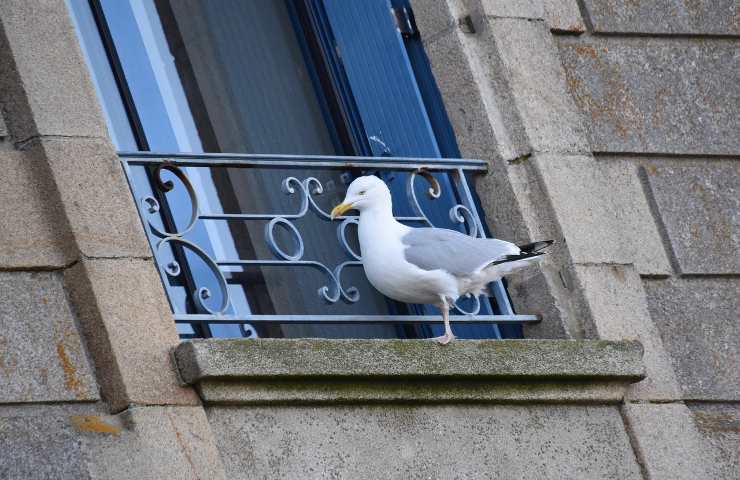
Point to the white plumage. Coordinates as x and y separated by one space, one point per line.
426 265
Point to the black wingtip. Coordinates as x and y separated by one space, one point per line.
535 246
515 258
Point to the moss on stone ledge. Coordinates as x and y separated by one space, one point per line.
472 359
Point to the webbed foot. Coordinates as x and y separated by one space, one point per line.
444 339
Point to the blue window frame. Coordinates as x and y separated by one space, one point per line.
294 77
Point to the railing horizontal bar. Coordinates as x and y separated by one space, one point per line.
300 161
267 262
356 319
270 216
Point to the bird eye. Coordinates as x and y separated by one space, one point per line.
362 192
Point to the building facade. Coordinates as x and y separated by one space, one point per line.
611 127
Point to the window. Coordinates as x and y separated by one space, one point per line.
248 110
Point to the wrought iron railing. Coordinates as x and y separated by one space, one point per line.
153 176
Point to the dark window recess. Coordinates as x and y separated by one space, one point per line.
242 249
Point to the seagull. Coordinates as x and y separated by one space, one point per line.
426 265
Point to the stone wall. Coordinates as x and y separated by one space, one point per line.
609 126
421 442
87 386
613 127
659 85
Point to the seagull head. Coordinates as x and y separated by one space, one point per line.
364 193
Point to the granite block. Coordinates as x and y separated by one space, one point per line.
669 444
33 227
433 17
41 354
44 79
603 212
422 442
95 196
703 17
698 322
699 205
656 95
552 120
564 16
719 424
619 310
129 330
531 9
145 443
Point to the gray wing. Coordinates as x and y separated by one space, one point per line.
459 254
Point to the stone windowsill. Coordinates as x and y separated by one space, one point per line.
346 371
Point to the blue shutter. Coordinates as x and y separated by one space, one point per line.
387 96
382 81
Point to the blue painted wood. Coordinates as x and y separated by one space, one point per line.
430 94
381 77
448 147
397 98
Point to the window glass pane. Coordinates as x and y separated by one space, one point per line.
245 61
218 76
119 127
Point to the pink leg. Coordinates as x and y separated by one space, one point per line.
448 335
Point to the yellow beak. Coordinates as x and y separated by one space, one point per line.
340 209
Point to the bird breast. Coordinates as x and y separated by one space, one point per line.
388 271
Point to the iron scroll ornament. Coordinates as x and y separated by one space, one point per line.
173 269
307 190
